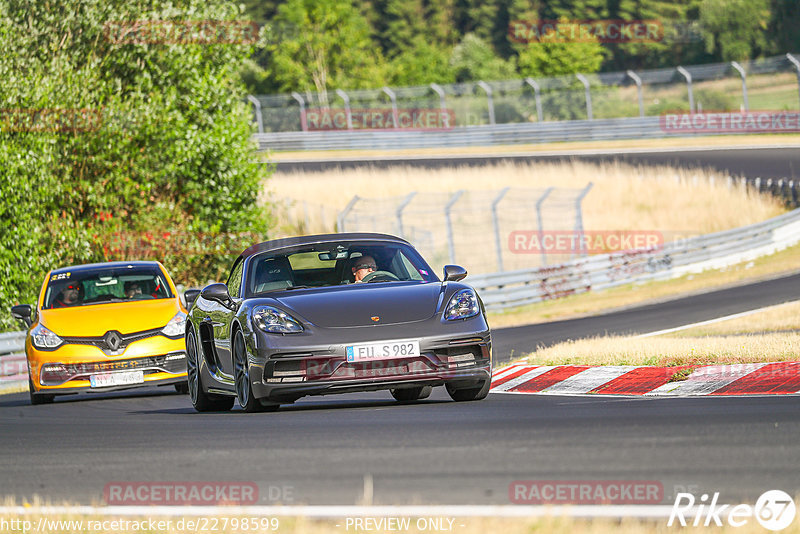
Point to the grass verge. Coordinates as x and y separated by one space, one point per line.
750 339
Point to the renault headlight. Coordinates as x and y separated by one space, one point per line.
275 321
462 305
43 338
176 326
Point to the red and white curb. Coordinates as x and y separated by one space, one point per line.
739 379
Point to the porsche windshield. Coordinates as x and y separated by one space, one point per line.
336 264
102 285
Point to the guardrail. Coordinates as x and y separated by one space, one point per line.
693 255
463 136
13 366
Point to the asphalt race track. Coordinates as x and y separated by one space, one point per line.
768 162
319 450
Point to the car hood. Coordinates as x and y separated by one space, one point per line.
358 305
96 319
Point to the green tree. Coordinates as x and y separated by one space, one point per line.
141 138
420 64
558 58
474 59
735 29
320 45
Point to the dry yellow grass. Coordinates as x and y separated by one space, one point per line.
780 318
770 335
671 351
678 202
783 262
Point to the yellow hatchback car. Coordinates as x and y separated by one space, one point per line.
104 327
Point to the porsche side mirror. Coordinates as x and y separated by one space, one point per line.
454 273
190 295
217 292
23 313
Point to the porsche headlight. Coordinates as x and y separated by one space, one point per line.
462 305
176 326
43 338
275 321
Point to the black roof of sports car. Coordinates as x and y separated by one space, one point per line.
287 242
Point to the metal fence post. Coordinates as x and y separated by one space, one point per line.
399 212
585 83
393 97
739 68
303 120
439 91
489 101
579 216
257 105
343 215
540 223
496 223
686 74
638 81
347 114
450 244
537 95
796 64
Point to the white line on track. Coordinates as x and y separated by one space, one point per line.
712 321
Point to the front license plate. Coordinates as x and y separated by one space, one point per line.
116 379
381 351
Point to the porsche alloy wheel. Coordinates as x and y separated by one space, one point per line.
241 375
202 401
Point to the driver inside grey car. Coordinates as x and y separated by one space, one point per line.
362 266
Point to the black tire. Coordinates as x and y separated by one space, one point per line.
411 394
241 377
182 388
38 398
470 394
202 401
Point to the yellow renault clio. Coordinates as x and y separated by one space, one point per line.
103 327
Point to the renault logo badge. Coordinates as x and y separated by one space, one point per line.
113 340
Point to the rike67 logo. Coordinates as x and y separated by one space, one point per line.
774 510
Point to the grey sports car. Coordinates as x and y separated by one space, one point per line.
335 313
